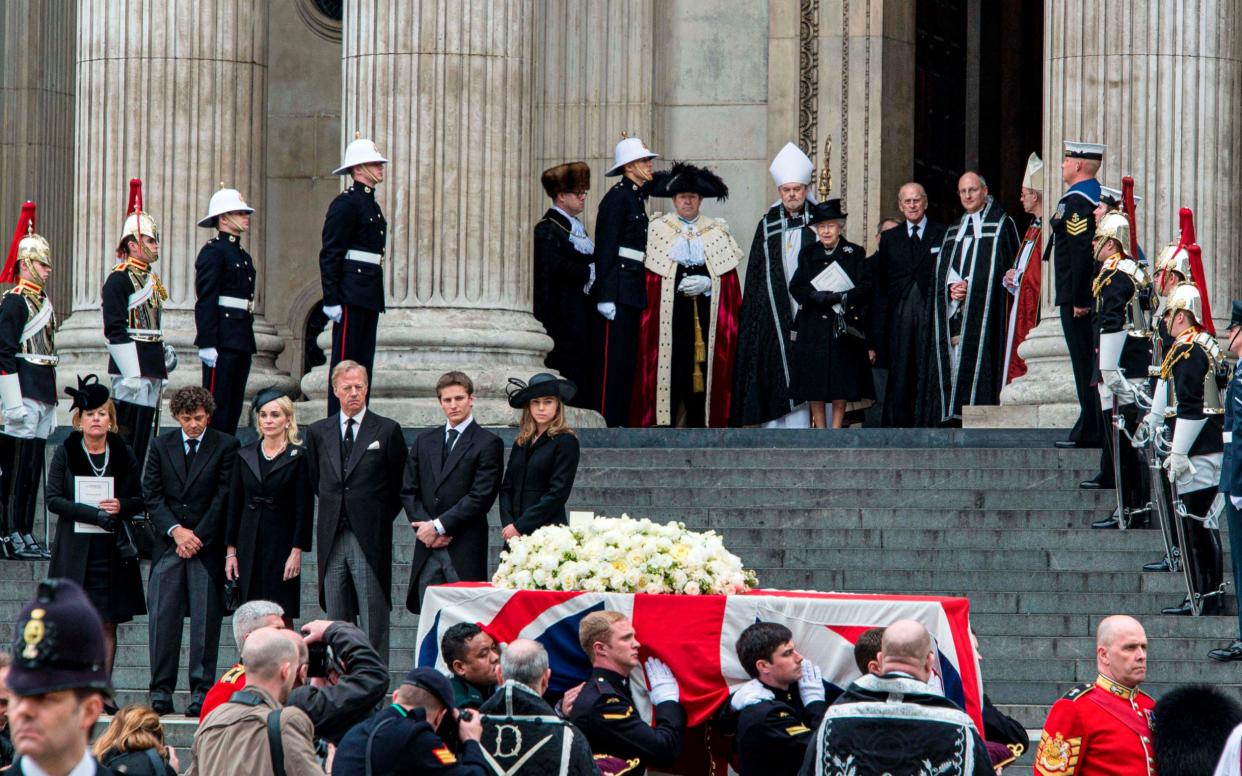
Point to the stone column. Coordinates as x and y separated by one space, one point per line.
1159 84
444 88
36 126
174 93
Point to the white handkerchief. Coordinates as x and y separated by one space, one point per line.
374 445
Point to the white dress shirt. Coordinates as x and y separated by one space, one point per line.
461 429
921 226
85 767
185 449
362 413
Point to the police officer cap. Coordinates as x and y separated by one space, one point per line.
1235 315
59 644
543 384
433 682
269 394
89 395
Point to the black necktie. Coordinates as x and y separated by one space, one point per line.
914 235
189 456
347 445
450 439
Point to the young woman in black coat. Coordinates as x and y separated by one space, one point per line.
831 356
271 508
544 458
89 537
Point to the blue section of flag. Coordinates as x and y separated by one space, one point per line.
569 663
952 680
429 650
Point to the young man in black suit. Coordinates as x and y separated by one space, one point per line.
186 488
452 476
357 458
903 275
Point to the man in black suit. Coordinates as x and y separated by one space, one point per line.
186 487
903 276
357 459
452 477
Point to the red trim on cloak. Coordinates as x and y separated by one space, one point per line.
646 365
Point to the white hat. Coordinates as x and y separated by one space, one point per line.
360 151
630 149
791 165
224 201
1079 150
1033 178
1115 195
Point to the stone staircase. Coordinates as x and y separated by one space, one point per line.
993 515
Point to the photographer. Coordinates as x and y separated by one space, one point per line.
348 687
417 734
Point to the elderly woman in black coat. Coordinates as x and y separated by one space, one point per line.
91 546
271 508
544 458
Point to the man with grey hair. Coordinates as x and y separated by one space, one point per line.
895 722
248 618
521 733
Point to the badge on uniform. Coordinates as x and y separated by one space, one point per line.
33 634
1057 755
1060 211
1076 225
444 755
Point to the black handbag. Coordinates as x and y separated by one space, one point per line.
140 532
232 596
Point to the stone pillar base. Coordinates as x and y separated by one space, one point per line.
1044 397
417 345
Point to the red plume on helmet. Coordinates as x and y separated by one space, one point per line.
1200 280
135 197
25 224
1127 204
1186 218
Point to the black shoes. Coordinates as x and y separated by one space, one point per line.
1210 606
1065 444
23 551
162 706
1160 565
1108 522
1227 654
195 708
34 546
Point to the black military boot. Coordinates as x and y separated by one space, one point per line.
30 467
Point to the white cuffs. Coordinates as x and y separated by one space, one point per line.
1184 434
10 391
125 355
1111 345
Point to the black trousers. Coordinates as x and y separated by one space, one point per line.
353 339
135 423
178 588
226 382
618 351
1204 553
22 462
1080 339
1134 485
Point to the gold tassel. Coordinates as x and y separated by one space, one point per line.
700 352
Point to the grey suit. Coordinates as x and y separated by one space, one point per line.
358 501
193 499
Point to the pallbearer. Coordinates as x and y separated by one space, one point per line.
133 299
27 383
351 262
224 311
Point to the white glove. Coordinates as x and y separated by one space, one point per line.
16 414
749 694
11 397
170 357
132 383
1176 465
663 684
334 312
811 685
607 309
1153 421
1118 384
694 285
208 356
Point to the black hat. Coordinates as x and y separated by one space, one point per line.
542 384
827 210
1235 315
270 393
686 178
59 644
1192 724
89 395
432 681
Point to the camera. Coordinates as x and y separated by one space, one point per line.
321 658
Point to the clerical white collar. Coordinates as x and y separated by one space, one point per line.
973 221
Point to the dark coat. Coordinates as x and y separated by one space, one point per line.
99 769
604 711
538 482
1073 230
354 222
771 736
137 763
898 266
405 744
114 303
458 493
38 382
223 268
196 499
561 274
335 708
71 550
621 223
277 511
369 489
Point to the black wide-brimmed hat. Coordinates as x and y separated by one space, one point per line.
828 210
543 384
686 178
270 393
89 395
59 644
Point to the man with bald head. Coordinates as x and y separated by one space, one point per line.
898 322
234 737
966 354
1104 727
896 723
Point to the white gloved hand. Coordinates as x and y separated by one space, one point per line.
663 684
334 312
607 309
1153 421
132 383
1176 465
749 694
208 356
16 414
170 357
694 285
1118 384
811 685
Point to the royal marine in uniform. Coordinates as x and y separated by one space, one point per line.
1098 729
224 281
604 711
132 300
351 261
772 727
27 383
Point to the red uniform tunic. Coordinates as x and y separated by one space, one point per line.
1100 729
233 680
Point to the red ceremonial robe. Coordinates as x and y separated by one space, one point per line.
1026 315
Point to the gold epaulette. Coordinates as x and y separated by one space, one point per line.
1179 350
1104 277
118 267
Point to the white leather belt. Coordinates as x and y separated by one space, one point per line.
364 256
39 359
630 253
236 302
146 335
